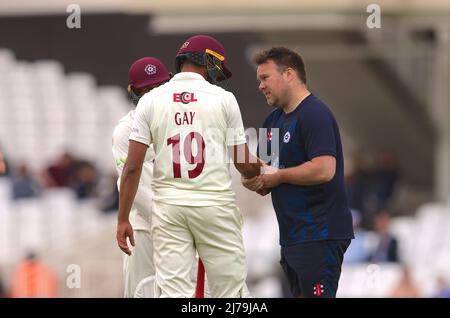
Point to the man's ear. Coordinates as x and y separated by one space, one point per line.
291 74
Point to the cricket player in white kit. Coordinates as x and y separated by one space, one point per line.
144 75
192 125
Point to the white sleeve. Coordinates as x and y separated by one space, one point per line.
120 145
142 200
142 121
235 128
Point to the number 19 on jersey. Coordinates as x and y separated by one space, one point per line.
198 159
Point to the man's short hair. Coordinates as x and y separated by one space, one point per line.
283 58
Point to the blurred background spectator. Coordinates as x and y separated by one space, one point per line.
85 180
359 249
406 286
61 173
370 187
385 177
386 249
23 184
358 184
33 279
109 195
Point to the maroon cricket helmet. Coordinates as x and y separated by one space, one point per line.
147 71
206 51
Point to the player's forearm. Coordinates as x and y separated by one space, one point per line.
306 174
129 182
250 170
248 165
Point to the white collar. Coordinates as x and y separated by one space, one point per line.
187 76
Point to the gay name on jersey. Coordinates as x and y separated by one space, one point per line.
184 118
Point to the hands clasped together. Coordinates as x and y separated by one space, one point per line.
269 178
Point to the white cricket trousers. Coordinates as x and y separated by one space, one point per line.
215 232
139 271
138 268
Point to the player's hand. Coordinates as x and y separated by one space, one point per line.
124 231
263 191
253 184
271 177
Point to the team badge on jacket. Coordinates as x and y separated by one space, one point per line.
287 137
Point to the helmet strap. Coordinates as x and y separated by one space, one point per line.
133 96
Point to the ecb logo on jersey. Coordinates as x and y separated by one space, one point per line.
150 69
287 137
184 97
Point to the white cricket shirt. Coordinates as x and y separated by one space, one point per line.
190 123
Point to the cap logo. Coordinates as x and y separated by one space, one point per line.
185 45
150 69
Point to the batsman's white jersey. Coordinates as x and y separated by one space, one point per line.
191 123
185 126
138 269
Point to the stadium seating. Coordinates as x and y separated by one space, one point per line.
424 242
44 111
